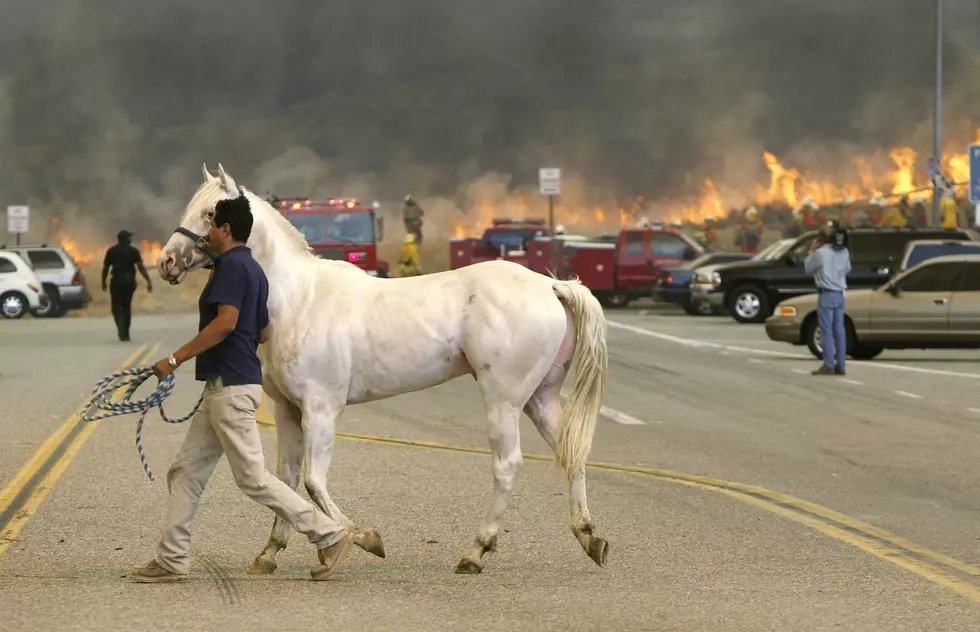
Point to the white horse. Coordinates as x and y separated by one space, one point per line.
340 336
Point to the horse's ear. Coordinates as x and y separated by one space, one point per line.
207 174
227 182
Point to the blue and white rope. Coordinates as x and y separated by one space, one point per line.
132 379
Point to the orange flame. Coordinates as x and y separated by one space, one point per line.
899 172
83 256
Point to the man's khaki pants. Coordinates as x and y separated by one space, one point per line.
225 424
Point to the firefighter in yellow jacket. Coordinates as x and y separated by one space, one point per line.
892 217
949 212
408 260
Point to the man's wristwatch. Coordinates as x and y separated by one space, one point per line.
173 361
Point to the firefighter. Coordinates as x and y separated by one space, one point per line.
876 208
560 229
412 216
408 260
949 210
710 233
751 233
892 217
793 226
919 217
643 223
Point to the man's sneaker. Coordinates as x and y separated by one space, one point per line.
153 573
840 372
824 371
332 557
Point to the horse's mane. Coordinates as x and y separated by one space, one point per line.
210 193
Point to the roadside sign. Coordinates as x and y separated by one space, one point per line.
17 219
549 181
975 174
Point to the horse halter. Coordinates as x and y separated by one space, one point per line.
201 244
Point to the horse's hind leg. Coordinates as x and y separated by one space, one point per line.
505 444
289 443
319 429
544 409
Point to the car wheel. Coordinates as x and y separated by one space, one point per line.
749 304
13 305
52 308
615 300
814 338
705 308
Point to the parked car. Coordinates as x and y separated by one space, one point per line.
61 277
922 249
673 284
20 289
752 289
935 304
703 289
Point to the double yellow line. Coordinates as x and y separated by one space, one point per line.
934 566
25 492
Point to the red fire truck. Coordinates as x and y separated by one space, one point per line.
505 239
618 268
342 229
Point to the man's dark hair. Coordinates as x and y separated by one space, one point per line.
237 214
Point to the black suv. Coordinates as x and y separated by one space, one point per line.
751 289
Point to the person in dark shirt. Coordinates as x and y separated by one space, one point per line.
124 259
234 321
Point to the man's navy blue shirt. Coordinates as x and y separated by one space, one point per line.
239 281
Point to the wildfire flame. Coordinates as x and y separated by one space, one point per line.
86 256
787 186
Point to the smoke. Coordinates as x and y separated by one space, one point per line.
108 109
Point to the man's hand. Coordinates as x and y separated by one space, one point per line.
104 287
162 368
149 287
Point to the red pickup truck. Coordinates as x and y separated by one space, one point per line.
617 268
505 239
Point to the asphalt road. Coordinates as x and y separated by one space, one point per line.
737 492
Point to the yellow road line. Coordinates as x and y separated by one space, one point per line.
45 455
887 546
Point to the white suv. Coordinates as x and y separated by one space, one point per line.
20 289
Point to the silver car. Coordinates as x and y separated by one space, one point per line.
60 275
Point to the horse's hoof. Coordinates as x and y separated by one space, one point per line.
262 566
598 550
321 573
371 542
468 567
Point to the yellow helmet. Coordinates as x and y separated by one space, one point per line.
410 238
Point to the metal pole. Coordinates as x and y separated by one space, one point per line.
17 237
937 149
551 214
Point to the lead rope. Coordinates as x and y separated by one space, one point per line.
132 379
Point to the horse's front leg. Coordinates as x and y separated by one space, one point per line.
319 436
289 445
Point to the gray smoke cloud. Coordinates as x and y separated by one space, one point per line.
108 109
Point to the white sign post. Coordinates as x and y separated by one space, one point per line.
549 183
17 222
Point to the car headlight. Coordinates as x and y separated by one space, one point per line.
716 279
786 310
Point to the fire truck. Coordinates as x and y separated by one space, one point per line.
505 239
618 268
342 229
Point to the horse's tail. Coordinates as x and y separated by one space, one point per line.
590 361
